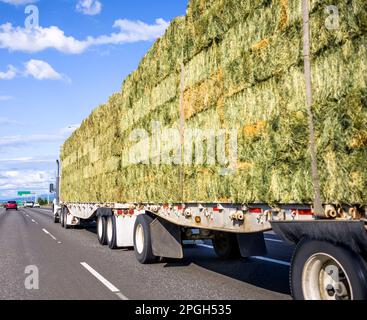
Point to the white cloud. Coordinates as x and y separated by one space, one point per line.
26 160
132 31
37 69
9 74
89 7
39 39
19 171
41 70
6 98
24 163
11 141
33 180
21 140
6 121
18 2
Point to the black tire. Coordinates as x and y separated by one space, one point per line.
66 226
56 219
102 234
353 268
143 245
64 214
62 218
226 245
111 237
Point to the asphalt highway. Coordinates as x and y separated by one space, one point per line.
71 265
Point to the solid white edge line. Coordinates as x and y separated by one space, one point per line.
274 240
283 263
104 281
205 246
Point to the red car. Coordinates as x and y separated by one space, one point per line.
11 205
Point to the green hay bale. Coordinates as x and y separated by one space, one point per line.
243 70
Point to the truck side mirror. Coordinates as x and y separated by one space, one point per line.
52 188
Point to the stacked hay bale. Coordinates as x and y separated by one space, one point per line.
242 65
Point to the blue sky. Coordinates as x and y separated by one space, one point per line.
53 75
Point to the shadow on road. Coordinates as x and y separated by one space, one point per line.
261 274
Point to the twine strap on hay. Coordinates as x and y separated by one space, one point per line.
318 210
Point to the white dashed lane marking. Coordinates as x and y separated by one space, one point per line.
48 233
104 281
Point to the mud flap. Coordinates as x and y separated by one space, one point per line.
104 212
252 244
166 239
346 233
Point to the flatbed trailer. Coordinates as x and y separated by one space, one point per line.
329 262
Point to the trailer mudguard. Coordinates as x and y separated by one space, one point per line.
252 244
104 212
166 239
352 234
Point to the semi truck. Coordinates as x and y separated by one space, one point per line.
329 261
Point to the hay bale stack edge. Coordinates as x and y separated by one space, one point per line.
243 78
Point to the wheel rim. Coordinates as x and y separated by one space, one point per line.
324 278
139 239
100 227
109 229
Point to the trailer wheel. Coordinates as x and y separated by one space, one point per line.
323 271
66 226
102 230
226 245
142 240
111 232
56 219
62 218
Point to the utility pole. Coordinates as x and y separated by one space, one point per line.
318 209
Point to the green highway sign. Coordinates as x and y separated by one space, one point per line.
24 193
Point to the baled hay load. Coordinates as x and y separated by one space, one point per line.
242 66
